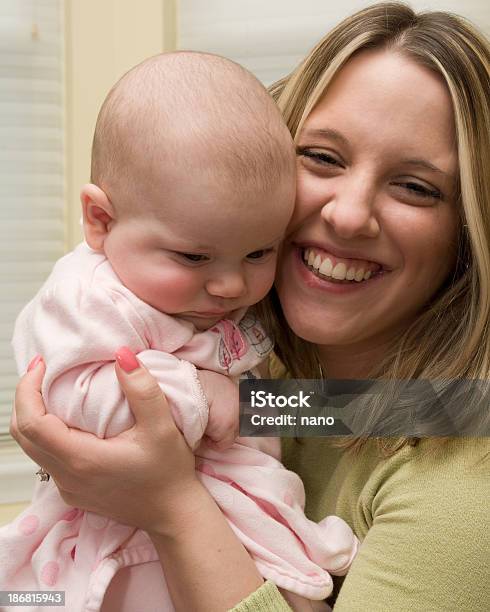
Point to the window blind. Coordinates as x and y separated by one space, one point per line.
31 164
270 38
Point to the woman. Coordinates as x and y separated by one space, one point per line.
390 113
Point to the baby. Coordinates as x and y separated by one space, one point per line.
192 189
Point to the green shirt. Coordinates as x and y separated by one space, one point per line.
421 516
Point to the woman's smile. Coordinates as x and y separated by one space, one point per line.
326 273
327 264
374 229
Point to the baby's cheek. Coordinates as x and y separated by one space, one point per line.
175 290
262 281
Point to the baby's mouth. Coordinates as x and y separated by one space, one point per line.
339 270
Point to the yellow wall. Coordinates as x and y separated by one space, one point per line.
103 41
9 511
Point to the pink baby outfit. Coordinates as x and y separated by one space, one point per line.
82 314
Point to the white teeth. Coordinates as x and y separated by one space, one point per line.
339 271
326 267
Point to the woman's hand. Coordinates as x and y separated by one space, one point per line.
143 477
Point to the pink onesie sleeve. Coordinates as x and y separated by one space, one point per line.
77 330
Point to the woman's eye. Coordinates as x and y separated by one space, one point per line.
195 258
319 157
421 191
259 254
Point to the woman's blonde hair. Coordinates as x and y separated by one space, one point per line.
450 337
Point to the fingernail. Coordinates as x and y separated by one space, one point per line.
126 359
37 359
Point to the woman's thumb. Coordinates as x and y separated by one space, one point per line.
146 400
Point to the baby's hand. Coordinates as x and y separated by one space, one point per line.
223 399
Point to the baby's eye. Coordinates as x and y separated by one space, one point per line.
260 254
194 257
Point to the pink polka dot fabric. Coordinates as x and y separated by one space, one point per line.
49 573
29 524
54 546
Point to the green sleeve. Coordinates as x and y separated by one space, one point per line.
265 599
427 542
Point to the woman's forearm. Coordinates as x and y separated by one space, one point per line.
206 567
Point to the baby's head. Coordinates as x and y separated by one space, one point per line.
193 182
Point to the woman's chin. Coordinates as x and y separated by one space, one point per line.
319 328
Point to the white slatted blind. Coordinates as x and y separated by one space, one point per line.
270 38
31 164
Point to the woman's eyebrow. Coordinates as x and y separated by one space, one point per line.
424 164
332 134
326 133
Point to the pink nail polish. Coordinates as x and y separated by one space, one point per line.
37 359
126 359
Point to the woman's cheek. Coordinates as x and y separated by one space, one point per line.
312 193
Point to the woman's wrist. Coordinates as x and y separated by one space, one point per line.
206 566
180 510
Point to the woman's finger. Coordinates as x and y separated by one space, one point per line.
30 426
30 449
31 410
29 405
44 437
146 399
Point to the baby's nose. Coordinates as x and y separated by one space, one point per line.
229 285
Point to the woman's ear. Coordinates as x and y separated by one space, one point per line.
98 215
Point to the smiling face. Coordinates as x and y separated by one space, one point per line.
373 234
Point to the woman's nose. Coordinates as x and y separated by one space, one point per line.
351 212
227 285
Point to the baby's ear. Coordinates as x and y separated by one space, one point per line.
98 215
